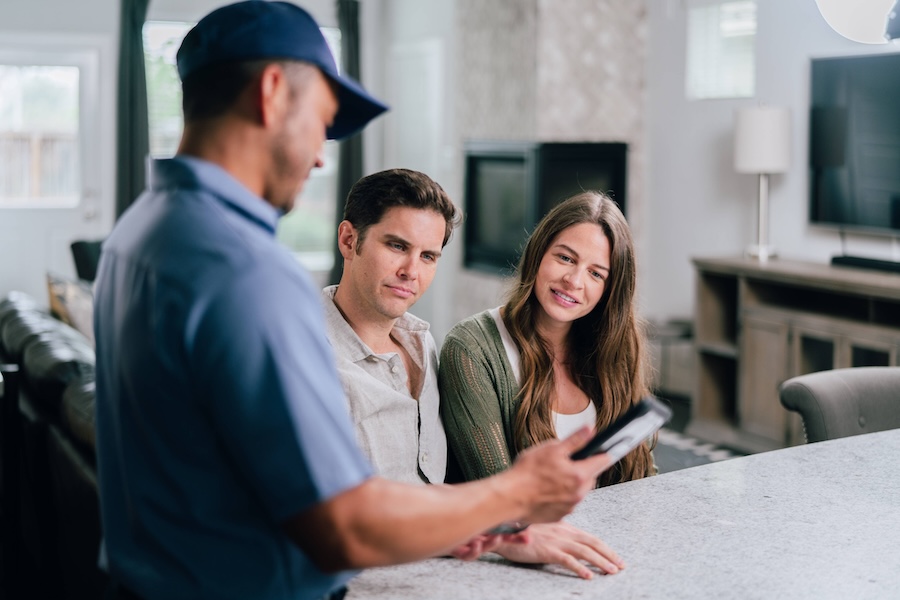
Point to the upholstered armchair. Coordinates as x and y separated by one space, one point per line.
844 402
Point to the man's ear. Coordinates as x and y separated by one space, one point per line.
274 95
348 237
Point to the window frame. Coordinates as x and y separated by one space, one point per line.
83 52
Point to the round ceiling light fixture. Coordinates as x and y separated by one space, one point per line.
862 21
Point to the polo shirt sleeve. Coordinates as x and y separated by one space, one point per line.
266 376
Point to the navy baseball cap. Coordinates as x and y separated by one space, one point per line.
258 29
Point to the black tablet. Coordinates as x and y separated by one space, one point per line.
640 422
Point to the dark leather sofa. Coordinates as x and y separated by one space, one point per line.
51 521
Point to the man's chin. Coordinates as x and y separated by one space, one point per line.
395 310
283 204
290 202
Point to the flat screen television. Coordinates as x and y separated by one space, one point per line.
510 185
854 143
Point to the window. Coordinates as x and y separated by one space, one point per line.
47 98
161 42
309 230
721 38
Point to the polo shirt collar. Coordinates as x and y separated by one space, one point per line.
191 172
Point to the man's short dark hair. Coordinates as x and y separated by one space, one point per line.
210 91
373 195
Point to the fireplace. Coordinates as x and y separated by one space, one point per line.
510 185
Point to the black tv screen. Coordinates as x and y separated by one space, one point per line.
854 143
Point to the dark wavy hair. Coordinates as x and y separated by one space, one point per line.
606 346
374 194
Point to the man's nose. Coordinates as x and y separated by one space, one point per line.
409 268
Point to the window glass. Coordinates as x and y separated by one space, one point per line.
39 134
309 230
161 41
721 44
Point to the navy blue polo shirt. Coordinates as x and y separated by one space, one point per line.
219 409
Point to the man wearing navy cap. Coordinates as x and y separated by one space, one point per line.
226 457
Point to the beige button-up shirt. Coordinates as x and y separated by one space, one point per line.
402 436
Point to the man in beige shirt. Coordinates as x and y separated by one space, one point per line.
396 223
398 424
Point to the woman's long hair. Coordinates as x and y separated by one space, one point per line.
606 347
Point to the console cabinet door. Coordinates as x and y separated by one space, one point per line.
764 366
867 351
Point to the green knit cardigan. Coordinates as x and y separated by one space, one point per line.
478 399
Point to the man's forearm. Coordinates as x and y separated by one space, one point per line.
382 522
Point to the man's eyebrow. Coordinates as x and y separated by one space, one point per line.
571 251
390 237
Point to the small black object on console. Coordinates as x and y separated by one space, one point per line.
866 263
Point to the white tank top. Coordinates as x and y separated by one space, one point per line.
565 425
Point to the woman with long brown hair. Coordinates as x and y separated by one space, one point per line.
565 350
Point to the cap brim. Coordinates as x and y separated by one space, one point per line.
355 108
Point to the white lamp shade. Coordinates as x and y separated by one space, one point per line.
762 140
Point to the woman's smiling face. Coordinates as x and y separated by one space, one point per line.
572 275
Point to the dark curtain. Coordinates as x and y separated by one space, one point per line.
133 130
350 158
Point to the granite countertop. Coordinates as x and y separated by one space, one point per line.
814 521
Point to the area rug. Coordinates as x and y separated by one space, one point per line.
676 451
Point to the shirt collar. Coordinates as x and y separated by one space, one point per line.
345 340
189 171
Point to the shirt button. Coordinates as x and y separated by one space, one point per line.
395 369
425 457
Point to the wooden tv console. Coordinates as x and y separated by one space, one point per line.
758 324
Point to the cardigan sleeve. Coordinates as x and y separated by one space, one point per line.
475 403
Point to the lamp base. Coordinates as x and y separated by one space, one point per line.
761 250
761 253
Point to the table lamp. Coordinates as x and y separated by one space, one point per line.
762 146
